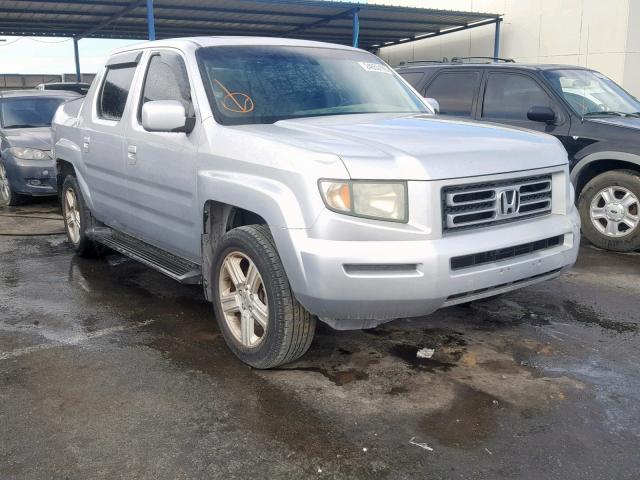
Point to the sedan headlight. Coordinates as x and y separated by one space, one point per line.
29 153
380 200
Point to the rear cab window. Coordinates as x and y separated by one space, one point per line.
455 91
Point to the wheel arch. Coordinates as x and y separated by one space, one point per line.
217 219
593 165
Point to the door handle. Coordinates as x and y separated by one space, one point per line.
131 154
85 143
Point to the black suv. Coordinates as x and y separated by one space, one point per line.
594 118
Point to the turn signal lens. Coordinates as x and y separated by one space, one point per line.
337 195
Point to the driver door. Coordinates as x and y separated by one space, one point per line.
508 96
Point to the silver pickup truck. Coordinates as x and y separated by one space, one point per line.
299 180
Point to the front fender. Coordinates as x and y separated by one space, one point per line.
275 202
579 167
272 200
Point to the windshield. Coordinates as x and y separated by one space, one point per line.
27 112
590 93
267 84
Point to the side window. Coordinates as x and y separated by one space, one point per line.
166 79
509 96
115 91
413 78
454 91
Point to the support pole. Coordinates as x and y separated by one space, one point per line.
496 39
151 26
356 27
77 57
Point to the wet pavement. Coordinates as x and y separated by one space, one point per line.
110 370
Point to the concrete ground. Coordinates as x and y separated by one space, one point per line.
109 370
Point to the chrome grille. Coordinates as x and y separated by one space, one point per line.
481 204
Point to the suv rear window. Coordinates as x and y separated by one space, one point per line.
115 91
455 91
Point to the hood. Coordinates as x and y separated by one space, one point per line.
628 122
422 147
39 138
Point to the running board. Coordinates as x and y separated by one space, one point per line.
171 265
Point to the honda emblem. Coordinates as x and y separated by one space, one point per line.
508 202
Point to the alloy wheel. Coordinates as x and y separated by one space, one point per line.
615 211
243 299
5 192
72 215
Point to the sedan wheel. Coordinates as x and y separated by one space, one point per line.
5 189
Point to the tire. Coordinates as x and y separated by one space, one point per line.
287 329
601 222
8 198
77 219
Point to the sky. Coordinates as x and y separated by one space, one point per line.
54 55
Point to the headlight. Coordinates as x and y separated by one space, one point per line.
29 153
368 199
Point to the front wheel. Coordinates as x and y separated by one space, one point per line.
77 219
261 320
609 208
7 196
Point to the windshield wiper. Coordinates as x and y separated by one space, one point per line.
21 126
614 113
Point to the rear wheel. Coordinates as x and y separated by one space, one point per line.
7 196
610 210
261 320
77 219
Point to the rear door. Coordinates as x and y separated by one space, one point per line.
161 167
102 141
508 95
456 90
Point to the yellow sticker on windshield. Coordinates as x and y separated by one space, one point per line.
236 102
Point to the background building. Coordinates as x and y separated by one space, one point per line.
17 81
599 34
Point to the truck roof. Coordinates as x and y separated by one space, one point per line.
192 43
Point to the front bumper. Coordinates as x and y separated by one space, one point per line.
31 177
375 281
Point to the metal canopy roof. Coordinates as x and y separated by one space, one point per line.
372 26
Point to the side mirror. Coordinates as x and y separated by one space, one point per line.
541 114
433 103
164 116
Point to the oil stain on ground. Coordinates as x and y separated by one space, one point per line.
339 377
587 315
467 422
409 353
